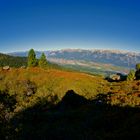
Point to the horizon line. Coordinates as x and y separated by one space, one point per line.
63 49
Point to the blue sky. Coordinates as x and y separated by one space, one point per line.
59 24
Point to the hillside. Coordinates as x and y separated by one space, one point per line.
56 104
12 61
19 61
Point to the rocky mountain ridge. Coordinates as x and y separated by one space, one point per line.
114 57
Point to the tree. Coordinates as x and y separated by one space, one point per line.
138 67
131 75
43 61
32 61
137 74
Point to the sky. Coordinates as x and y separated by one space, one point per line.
61 24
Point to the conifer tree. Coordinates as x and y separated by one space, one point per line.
138 67
43 61
32 61
137 74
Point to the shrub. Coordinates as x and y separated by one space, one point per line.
138 67
131 75
137 74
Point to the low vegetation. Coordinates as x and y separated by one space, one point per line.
134 74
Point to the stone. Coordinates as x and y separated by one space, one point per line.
6 68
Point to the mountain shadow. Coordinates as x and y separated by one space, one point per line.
75 117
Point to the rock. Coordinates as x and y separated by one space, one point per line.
116 77
29 92
30 87
23 67
6 68
113 78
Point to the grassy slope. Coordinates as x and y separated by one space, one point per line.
31 117
55 81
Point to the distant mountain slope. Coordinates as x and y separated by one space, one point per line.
12 61
114 57
117 58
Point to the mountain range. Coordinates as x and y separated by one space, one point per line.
114 57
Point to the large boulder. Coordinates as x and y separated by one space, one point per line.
116 77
